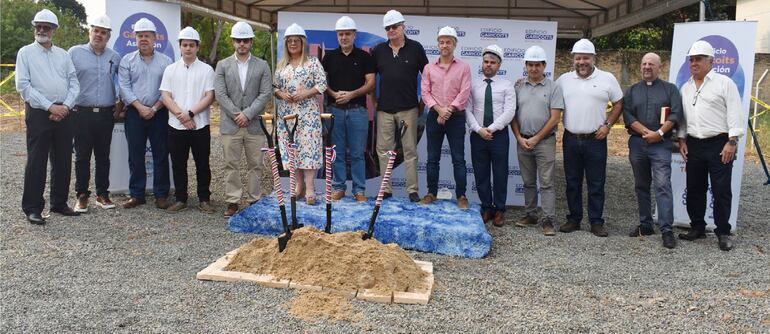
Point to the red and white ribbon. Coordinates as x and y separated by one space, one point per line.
292 151
330 156
276 177
386 176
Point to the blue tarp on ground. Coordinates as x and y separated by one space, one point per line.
437 228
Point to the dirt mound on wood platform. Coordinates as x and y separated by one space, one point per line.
340 261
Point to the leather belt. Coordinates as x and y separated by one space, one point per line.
591 135
347 106
95 109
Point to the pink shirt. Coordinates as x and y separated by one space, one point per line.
450 86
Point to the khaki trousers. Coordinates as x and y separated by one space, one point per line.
388 126
234 147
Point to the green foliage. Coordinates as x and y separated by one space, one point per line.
74 7
207 27
16 30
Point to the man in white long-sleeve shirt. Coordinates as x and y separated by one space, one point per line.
489 111
708 140
46 80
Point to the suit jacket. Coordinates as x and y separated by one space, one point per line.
232 99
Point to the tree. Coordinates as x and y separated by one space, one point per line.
216 32
16 30
74 7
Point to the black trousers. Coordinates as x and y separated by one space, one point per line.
46 140
180 143
93 135
704 163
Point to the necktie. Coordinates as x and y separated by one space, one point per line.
488 103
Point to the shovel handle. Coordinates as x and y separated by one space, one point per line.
289 117
267 117
327 116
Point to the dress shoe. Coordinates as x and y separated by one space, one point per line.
429 198
162 203
232 208
82 204
462 202
360 197
337 195
569 227
414 197
527 221
133 202
548 227
486 216
499 219
206 207
599 230
65 211
177 207
692 235
669 241
641 230
36 218
725 243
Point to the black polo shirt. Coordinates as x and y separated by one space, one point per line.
347 72
398 75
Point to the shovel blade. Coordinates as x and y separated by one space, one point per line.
282 241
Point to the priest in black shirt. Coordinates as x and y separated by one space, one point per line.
398 62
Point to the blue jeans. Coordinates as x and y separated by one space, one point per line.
454 129
652 163
138 130
486 154
585 157
351 128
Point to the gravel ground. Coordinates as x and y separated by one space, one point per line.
134 271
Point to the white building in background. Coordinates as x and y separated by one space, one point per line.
756 10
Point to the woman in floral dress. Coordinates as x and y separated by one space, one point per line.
298 79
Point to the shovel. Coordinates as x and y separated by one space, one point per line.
329 155
292 150
385 180
270 149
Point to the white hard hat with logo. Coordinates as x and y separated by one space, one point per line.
241 30
101 21
345 23
584 46
144 25
494 49
46 16
534 53
392 17
447 31
701 48
190 34
294 30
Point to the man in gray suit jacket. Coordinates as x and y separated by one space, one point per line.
243 86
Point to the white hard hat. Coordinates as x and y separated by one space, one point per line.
144 25
447 31
392 17
345 23
701 48
294 30
494 49
101 21
584 46
534 53
46 16
190 34
241 30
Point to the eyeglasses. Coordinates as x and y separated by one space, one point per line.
392 27
43 27
242 40
697 93
294 41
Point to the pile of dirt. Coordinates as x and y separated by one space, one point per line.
314 306
340 261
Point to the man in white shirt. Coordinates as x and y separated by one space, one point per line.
489 110
187 90
586 91
708 139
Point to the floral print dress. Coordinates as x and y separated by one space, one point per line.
310 75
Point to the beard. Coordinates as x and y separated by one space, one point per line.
42 39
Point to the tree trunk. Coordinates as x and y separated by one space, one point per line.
214 46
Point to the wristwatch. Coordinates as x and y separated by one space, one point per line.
189 112
732 142
154 109
661 133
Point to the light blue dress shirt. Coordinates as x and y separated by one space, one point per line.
46 76
98 75
140 80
